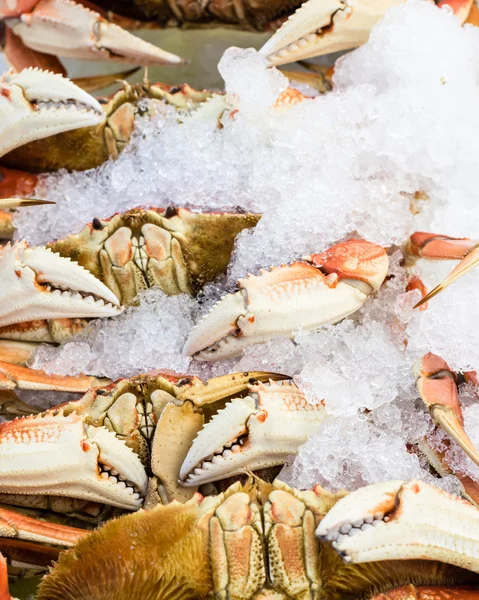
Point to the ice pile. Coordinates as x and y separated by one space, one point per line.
133 343
402 118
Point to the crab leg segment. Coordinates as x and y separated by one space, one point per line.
10 203
39 284
320 27
396 520
16 376
250 433
69 29
324 289
16 525
437 387
61 456
443 247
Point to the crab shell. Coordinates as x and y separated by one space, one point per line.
176 249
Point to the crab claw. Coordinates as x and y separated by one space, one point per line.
35 104
39 284
250 433
320 27
62 27
443 247
397 520
437 387
62 456
303 295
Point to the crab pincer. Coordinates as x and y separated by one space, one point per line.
323 289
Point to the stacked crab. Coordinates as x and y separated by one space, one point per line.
173 444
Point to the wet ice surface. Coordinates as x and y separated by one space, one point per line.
402 117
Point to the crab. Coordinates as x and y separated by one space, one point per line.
236 422
145 441
36 31
43 116
261 540
185 434
51 292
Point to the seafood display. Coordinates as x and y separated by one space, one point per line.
231 363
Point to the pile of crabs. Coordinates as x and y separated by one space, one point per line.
164 485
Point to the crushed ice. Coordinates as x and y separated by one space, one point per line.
402 118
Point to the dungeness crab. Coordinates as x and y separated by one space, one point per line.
265 541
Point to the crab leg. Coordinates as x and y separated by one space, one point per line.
10 203
15 376
408 520
16 353
442 247
437 387
324 289
320 27
16 525
65 28
4 593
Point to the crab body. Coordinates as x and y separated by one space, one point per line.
53 290
258 541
